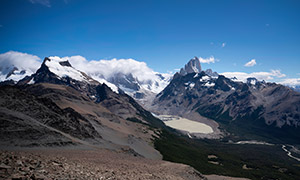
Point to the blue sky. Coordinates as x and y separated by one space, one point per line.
165 34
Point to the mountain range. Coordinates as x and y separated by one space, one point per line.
254 109
265 108
60 106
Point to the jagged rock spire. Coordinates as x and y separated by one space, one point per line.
193 66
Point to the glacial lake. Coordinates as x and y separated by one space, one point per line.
184 124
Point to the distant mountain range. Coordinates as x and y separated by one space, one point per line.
129 76
296 88
255 108
251 109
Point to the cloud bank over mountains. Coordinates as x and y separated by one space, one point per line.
114 66
293 82
267 76
22 63
19 60
108 68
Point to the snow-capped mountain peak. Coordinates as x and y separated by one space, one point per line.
193 66
63 68
58 71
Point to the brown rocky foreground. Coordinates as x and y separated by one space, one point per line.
88 164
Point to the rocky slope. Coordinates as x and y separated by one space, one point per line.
89 164
31 121
253 107
75 109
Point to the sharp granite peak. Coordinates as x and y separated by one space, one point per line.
193 66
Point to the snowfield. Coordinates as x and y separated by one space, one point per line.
184 124
62 71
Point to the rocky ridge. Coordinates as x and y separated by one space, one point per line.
63 106
256 104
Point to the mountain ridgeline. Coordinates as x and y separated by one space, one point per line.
247 110
59 105
250 110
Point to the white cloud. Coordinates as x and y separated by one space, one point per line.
223 44
292 82
42 2
22 61
107 69
267 76
250 63
110 67
208 60
19 60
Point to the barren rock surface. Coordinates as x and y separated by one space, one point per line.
88 164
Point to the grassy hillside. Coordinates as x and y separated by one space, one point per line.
259 161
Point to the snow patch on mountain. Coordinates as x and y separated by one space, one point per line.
209 84
192 85
110 85
31 81
204 78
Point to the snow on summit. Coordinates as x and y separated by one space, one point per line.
56 66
